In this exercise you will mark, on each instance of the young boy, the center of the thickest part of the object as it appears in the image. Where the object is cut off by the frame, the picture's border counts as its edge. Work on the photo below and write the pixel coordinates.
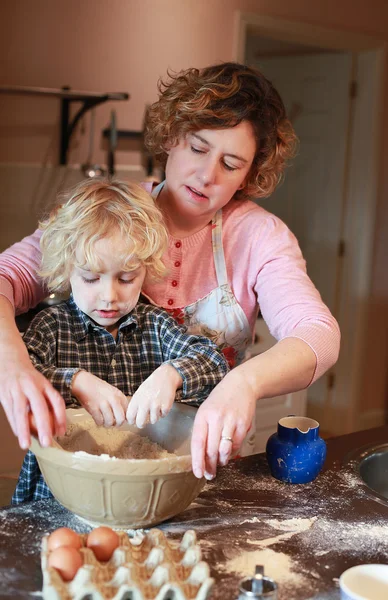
(101, 345)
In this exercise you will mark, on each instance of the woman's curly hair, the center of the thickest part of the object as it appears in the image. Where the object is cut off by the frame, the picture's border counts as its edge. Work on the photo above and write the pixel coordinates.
(98, 208)
(223, 96)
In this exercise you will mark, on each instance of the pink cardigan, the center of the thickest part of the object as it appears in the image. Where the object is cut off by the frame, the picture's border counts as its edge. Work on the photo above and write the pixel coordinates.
(266, 270)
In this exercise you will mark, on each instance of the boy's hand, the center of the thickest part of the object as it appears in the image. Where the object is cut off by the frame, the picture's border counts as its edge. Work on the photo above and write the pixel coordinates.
(103, 401)
(155, 397)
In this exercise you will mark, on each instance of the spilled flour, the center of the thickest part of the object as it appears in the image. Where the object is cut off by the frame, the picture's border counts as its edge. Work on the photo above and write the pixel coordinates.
(301, 543)
(86, 438)
(292, 526)
(277, 565)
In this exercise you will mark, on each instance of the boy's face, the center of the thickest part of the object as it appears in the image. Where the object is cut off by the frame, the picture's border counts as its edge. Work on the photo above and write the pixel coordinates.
(111, 293)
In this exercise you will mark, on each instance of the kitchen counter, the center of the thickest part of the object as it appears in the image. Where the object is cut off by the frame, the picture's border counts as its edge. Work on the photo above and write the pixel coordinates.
(305, 535)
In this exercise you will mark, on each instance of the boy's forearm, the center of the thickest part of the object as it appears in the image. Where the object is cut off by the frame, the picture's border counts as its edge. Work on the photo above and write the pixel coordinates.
(169, 371)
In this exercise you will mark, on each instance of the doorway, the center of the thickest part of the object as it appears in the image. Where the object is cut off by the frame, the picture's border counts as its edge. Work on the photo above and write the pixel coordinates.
(331, 83)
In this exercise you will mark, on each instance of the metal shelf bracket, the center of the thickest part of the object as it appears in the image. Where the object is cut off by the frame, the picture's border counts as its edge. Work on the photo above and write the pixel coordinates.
(66, 96)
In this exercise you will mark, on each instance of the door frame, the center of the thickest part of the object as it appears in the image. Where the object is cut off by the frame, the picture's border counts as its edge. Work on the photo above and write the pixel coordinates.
(341, 413)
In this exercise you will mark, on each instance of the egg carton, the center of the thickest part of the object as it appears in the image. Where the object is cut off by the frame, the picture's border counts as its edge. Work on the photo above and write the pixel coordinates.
(145, 567)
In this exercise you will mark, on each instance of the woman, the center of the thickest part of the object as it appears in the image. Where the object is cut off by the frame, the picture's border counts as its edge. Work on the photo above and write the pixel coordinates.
(224, 137)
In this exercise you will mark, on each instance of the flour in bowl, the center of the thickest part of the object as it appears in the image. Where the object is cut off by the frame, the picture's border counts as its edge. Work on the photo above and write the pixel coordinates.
(110, 442)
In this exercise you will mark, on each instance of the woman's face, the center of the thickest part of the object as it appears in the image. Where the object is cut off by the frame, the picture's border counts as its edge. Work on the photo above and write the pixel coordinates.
(206, 168)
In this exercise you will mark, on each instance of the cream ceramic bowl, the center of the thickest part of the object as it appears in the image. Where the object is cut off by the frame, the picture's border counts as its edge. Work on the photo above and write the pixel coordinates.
(365, 582)
(125, 493)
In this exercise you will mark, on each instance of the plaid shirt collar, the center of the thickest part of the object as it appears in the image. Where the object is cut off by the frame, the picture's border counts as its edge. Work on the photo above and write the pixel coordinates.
(83, 324)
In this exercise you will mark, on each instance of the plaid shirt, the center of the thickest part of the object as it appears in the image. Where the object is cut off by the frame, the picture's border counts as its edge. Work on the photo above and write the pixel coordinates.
(63, 340)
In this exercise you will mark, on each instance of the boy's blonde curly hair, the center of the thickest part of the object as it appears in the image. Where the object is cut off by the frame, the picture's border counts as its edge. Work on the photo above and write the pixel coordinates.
(218, 97)
(98, 208)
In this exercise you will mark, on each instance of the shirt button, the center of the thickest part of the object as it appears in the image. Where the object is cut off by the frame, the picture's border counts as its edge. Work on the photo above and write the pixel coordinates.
(177, 263)
(170, 302)
(174, 283)
(178, 244)
(113, 363)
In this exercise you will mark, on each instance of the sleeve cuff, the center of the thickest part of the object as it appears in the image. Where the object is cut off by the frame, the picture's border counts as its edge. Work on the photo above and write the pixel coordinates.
(198, 376)
(62, 380)
(323, 341)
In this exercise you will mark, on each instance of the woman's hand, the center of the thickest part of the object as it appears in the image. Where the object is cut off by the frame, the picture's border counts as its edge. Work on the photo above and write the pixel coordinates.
(103, 401)
(154, 397)
(23, 389)
(228, 411)
(221, 424)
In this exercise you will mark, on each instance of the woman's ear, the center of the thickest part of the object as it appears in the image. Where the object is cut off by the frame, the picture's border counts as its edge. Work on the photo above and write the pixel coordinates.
(242, 185)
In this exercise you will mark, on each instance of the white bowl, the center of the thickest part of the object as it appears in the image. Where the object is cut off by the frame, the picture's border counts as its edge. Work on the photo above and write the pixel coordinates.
(365, 582)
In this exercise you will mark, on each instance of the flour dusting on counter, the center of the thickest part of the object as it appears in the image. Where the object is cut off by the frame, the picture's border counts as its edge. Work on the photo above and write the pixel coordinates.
(301, 531)
(277, 565)
(317, 535)
(304, 535)
(292, 525)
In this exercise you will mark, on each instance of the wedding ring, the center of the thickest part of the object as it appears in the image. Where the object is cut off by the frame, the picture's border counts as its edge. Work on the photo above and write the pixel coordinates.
(227, 438)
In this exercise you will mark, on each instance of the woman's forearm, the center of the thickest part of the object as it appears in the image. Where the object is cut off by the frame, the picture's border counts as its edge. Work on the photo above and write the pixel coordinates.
(11, 342)
(286, 367)
(23, 389)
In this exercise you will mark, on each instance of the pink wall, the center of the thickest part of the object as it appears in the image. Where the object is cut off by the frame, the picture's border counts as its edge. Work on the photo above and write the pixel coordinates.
(99, 45)
(125, 45)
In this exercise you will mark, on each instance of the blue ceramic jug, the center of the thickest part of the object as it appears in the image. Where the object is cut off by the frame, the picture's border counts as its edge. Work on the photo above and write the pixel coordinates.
(296, 453)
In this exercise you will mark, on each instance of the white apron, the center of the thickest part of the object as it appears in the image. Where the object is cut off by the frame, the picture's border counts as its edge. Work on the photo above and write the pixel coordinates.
(218, 316)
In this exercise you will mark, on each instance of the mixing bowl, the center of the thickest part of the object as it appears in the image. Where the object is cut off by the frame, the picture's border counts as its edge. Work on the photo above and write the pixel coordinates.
(125, 493)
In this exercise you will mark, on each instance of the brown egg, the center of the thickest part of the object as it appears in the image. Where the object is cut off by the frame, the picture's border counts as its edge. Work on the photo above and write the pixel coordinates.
(103, 541)
(66, 561)
(63, 537)
(32, 423)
